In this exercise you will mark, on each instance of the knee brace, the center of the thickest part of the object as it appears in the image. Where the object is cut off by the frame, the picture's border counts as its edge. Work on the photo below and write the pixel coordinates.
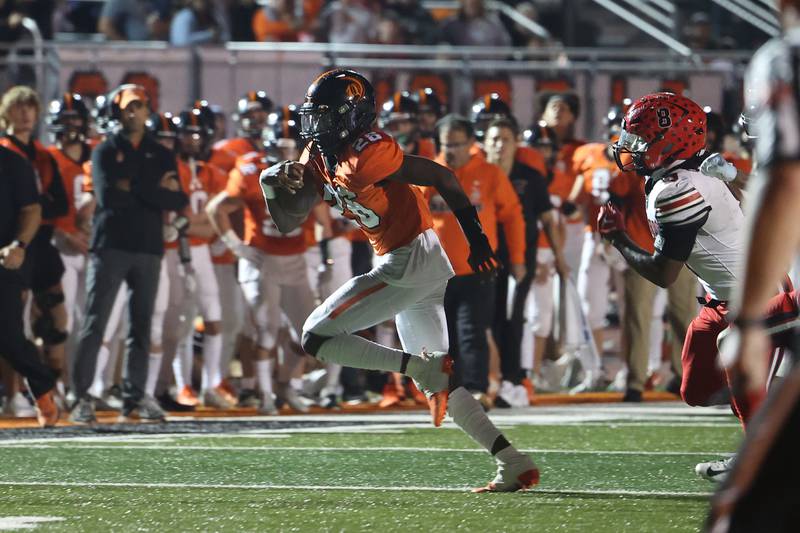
(311, 342)
(44, 327)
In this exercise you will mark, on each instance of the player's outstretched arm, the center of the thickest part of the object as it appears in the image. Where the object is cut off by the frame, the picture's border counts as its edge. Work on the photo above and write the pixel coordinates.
(290, 193)
(657, 268)
(424, 172)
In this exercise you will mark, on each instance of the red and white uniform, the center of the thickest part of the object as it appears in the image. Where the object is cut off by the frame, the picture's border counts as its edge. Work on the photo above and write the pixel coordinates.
(685, 199)
(411, 270)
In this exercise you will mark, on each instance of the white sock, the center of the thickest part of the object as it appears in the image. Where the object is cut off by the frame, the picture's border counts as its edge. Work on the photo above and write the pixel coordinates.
(182, 364)
(248, 383)
(153, 369)
(357, 352)
(332, 379)
(212, 355)
(468, 414)
(264, 373)
(385, 335)
(99, 371)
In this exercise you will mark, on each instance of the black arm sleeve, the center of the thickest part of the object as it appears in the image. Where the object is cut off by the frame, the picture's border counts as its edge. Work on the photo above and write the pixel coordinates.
(676, 241)
(54, 199)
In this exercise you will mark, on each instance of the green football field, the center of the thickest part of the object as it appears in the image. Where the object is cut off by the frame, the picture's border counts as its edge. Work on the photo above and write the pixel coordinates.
(604, 468)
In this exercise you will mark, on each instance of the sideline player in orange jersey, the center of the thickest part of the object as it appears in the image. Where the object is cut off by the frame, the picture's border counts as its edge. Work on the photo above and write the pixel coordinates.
(68, 122)
(200, 180)
(399, 117)
(43, 268)
(365, 174)
(252, 111)
(272, 273)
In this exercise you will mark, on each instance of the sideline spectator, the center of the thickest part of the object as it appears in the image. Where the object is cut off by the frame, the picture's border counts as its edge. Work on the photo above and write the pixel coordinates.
(241, 14)
(140, 20)
(473, 26)
(414, 20)
(200, 22)
(347, 21)
(135, 181)
(469, 298)
(279, 21)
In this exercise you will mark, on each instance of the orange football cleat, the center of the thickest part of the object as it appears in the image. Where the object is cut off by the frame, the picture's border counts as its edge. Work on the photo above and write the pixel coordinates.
(188, 397)
(47, 411)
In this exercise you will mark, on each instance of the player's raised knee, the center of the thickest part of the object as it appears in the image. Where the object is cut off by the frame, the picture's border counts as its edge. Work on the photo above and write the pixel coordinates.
(311, 342)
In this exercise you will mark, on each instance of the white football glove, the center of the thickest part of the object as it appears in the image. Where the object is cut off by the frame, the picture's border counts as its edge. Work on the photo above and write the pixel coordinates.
(240, 249)
(170, 233)
(716, 166)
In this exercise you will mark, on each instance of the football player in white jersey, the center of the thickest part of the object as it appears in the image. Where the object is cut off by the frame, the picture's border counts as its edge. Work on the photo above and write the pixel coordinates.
(696, 222)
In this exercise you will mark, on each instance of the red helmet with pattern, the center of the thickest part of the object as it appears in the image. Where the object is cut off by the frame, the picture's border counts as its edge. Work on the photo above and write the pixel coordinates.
(659, 130)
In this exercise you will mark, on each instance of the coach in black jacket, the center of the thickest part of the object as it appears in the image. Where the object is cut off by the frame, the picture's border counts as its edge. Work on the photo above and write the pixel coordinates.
(135, 181)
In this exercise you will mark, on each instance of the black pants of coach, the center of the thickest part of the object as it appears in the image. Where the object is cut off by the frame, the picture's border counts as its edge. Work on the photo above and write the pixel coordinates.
(14, 346)
(107, 270)
(469, 306)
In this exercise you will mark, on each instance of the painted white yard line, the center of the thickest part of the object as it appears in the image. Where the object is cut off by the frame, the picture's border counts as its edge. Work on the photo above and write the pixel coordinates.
(635, 493)
(411, 449)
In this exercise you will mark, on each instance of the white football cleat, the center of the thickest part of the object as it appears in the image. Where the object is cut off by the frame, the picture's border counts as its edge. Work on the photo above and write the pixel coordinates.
(715, 471)
(520, 474)
(267, 406)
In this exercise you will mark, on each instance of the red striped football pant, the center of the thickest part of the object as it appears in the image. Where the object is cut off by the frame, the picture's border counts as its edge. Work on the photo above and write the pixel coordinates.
(702, 375)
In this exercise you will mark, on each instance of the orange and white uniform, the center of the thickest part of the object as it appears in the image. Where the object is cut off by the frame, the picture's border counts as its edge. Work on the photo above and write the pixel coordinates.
(591, 162)
(411, 268)
(224, 153)
(74, 278)
(199, 180)
(277, 281)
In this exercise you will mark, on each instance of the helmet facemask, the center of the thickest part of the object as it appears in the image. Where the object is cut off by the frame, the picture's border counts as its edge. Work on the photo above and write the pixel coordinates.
(630, 151)
(329, 128)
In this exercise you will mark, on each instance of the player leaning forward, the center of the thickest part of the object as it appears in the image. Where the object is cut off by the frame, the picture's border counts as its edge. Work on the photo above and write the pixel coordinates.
(364, 173)
(696, 222)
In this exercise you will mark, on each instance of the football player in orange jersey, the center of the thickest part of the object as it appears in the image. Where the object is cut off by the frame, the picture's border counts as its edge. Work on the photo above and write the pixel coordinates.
(68, 122)
(560, 115)
(399, 117)
(595, 170)
(252, 111)
(272, 273)
(363, 172)
(43, 268)
(200, 180)
(431, 109)
(328, 253)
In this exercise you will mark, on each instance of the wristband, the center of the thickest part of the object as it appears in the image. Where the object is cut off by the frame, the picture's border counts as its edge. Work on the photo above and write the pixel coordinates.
(269, 191)
(18, 243)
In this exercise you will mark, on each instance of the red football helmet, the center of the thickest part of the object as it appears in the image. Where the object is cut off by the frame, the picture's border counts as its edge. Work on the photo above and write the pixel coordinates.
(658, 130)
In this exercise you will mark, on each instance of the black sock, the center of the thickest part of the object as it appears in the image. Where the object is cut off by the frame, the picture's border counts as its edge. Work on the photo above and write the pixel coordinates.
(500, 444)
(404, 364)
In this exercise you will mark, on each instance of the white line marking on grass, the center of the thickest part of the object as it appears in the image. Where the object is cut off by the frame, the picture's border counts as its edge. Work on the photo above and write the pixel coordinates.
(412, 449)
(634, 493)
(8, 523)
